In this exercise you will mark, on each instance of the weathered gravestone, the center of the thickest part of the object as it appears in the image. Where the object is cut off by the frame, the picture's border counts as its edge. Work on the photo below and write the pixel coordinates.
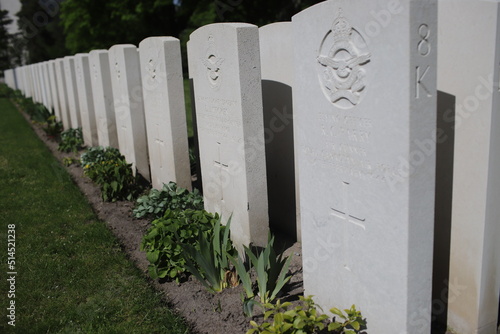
(72, 93)
(63, 93)
(364, 104)
(51, 66)
(225, 66)
(163, 90)
(469, 69)
(85, 99)
(276, 56)
(128, 105)
(102, 93)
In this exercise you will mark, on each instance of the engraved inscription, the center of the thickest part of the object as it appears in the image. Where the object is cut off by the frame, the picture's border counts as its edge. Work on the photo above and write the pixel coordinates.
(341, 64)
(423, 49)
(117, 70)
(423, 46)
(420, 74)
(218, 118)
(212, 63)
(151, 68)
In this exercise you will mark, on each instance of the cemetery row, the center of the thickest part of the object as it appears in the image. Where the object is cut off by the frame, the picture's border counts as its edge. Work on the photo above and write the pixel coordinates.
(383, 161)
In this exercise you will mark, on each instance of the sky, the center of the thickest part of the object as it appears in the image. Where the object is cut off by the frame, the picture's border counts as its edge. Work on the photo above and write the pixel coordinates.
(13, 6)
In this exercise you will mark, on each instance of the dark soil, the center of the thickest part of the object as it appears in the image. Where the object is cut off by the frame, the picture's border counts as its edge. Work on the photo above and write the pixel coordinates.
(204, 311)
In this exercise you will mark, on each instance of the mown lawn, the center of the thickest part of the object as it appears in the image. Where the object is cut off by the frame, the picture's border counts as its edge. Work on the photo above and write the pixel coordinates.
(71, 273)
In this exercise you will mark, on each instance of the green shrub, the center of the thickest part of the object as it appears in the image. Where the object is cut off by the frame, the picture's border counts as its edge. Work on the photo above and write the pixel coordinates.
(163, 241)
(71, 140)
(170, 197)
(305, 319)
(109, 169)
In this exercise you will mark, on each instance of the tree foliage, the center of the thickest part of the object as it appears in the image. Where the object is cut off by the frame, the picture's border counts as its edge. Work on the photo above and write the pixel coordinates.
(97, 24)
(40, 32)
(4, 41)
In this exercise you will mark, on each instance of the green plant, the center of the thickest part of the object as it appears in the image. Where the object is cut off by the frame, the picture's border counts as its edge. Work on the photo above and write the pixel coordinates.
(210, 263)
(53, 128)
(68, 161)
(170, 197)
(305, 319)
(99, 153)
(352, 322)
(271, 270)
(37, 111)
(107, 167)
(115, 177)
(163, 240)
(71, 140)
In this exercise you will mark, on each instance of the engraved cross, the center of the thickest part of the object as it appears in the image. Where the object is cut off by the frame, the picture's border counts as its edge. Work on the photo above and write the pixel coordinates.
(160, 144)
(222, 167)
(344, 213)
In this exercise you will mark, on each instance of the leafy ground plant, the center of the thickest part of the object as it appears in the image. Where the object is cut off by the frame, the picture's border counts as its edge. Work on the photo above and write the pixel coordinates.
(53, 128)
(109, 169)
(272, 275)
(163, 241)
(71, 140)
(171, 197)
(305, 319)
(210, 264)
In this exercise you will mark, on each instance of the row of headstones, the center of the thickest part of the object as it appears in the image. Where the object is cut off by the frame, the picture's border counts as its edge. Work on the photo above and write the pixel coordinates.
(392, 191)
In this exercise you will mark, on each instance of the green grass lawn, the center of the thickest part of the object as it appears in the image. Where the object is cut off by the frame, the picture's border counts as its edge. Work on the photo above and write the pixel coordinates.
(71, 273)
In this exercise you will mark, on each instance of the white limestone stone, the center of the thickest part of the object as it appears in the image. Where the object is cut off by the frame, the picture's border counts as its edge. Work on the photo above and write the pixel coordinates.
(469, 66)
(86, 100)
(9, 78)
(102, 93)
(47, 87)
(164, 107)
(36, 83)
(72, 93)
(276, 56)
(129, 107)
(224, 63)
(364, 102)
(63, 93)
(53, 88)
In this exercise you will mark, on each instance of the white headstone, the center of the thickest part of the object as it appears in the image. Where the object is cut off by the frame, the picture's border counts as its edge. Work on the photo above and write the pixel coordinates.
(63, 93)
(86, 100)
(47, 86)
(36, 83)
(129, 107)
(224, 63)
(469, 69)
(102, 93)
(364, 103)
(276, 50)
(72, 94)
(51, 66)
(164, 107)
